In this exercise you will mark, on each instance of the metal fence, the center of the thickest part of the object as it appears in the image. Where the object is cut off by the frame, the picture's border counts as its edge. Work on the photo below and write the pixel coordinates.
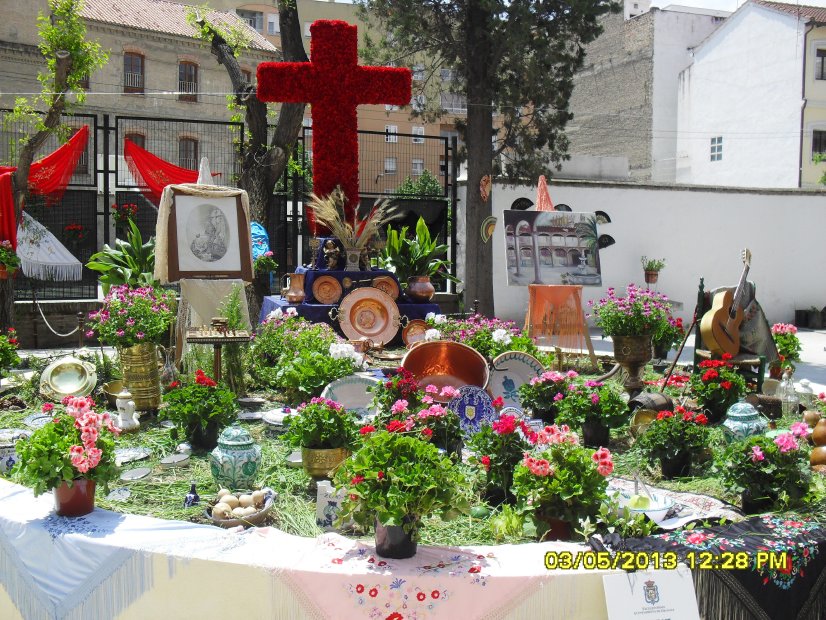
(102, 179)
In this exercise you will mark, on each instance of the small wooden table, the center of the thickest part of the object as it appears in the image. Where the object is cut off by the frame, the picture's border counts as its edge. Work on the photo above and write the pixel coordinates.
(210, 335)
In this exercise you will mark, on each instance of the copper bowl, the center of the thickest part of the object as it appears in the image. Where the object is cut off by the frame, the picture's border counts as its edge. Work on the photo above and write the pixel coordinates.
(442, 363)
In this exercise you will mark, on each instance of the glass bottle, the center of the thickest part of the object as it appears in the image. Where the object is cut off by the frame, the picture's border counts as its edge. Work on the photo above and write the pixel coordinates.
(806, 393)
(169, 373)
(789, 401)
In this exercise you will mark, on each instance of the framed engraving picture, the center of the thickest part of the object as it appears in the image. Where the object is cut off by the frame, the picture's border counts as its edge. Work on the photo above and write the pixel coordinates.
(209, 237)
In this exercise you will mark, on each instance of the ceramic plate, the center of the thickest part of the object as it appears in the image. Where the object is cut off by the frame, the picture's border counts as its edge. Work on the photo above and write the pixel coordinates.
(128, 455)
(326, 290)
(370, 313)
(510, 370)
(474, 407)
(276, 417)
(175, 460)
(37, 420)
(387, 285)
(414, 332)
(250, 416)
(135, 474)
(352, 393)
(294, 459)
(514, 411)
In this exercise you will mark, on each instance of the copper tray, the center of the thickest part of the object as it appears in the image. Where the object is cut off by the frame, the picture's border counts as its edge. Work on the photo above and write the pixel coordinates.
(326, 290)
(414, 332)
(371, 313)
(388, 285)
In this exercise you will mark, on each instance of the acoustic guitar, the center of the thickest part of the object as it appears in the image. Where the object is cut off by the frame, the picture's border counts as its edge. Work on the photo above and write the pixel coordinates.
(720, 327)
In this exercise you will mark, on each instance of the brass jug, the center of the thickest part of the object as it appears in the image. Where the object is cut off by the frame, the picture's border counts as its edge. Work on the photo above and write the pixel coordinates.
(141, 374)
(294, 288)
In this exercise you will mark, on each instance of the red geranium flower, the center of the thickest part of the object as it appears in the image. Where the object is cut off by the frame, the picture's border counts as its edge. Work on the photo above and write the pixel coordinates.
(485, 460)
(726, 385)
(427, 432)
(380, 475)
(367, 429)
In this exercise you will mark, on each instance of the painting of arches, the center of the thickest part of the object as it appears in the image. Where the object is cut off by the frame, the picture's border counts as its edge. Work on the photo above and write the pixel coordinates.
(552, 247)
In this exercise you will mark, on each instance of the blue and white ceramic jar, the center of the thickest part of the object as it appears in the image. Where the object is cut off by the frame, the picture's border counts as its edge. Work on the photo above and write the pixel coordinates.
(743, 420)
(235, 461)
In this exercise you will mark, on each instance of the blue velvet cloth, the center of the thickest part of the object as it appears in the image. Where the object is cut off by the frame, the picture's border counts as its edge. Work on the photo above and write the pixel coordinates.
(358, 278)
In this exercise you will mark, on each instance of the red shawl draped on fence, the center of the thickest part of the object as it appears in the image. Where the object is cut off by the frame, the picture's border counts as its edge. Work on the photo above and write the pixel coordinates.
(152, 173)
(47, 177)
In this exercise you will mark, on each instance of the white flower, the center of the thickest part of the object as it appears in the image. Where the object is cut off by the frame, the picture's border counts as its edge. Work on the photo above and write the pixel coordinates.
(440, 319)
(430, 316)
(275, 314)
(291, 312)
(432, 334)
(501, 336)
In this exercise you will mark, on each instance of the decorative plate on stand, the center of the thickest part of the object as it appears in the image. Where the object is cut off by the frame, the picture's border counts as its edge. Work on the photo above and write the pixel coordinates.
(388, 285)
(352, 393)
(414, 331)
(474, 407)
(326, 290)
(369, 313)
(510, 370)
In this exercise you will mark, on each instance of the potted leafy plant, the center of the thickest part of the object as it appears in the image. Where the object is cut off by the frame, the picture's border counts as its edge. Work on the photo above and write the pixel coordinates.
(717, 386)
(130, 262)
(415, 260)
(765, 471)
(70, 454)
(543, 394)
(489, 336)
(199, 410)
(9, 260)
(652, 268)
(433, 421)
(788, 348)
(499, 447)
(8, 351)
(596, 408)
(561, 482)
(392, 482)
(674, 438)
(667, 336)
(325, 431)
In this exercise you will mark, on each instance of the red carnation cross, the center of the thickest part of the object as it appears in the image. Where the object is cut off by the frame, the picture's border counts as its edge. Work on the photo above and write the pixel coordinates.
(333, 83)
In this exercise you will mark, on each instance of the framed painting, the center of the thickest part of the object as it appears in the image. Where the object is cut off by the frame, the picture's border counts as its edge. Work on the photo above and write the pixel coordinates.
(209, 237)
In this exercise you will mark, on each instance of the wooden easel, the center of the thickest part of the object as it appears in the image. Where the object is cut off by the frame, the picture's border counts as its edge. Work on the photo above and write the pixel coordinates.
(555, 312)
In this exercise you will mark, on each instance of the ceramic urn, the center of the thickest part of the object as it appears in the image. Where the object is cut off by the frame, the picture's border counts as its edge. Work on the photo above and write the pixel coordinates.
(743, 420)
(235, 461)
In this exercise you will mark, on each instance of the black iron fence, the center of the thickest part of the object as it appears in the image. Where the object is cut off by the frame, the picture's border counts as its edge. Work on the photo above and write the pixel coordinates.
(83, 220)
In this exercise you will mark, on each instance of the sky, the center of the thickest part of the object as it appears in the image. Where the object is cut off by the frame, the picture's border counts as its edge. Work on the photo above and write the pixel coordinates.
(727, 5)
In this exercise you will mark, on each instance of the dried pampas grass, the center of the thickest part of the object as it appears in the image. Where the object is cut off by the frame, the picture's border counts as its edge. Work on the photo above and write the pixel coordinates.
(329, 211)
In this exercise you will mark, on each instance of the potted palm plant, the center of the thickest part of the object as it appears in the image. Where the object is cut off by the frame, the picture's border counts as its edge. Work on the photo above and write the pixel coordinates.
(415, 260)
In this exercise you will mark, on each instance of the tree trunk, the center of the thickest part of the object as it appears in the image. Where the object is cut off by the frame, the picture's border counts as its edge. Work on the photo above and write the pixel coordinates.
(478, 255)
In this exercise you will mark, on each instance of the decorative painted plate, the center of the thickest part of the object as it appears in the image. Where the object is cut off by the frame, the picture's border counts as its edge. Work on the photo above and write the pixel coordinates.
(326, 290)
(514, 411)
(352, 393)
(128, 455)
(474, 407)
(510, 370)
(414, 331)
(370, 313)
(388, 285)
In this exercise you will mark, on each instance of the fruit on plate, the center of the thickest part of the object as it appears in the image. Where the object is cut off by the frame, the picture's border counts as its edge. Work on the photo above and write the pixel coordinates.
(639, 502)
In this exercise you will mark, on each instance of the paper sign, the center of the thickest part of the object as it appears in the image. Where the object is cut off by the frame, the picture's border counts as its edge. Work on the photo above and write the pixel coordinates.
(651, 595)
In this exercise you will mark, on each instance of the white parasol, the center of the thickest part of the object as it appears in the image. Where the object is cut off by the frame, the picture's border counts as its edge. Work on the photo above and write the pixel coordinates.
(42, 256)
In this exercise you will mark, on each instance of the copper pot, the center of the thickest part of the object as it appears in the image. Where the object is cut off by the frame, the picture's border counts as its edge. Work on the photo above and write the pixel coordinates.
(442, 363)
(818, 456)
(420, 289)
(295, 288)
(811, 417)
(819, 433)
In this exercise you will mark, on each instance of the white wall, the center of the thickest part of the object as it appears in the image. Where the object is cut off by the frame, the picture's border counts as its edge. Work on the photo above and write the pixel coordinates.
(744, 85)
(674, 33)
(700, 232)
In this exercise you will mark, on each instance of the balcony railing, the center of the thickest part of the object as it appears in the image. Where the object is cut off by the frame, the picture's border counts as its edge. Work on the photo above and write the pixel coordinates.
(133, 82)
(188, 90)
(187, 162)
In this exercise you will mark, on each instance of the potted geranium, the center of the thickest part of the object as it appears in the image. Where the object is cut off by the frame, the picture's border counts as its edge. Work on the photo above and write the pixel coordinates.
(199, 410)
(788, 348)
(436, 423)
(489, 336)
(263, 267)
(652, 268)
(674, 438)
(561, 482)
(135, 320)
(9, 261)
(631, 321)
(71, 454)
(543, 394)
(8, 351)
(400, 385)
(124, 213)
(325, 431)
(499, 447)
(717, 386)
(596, 408)
(668, 336)
(765, 471)
(392, 482)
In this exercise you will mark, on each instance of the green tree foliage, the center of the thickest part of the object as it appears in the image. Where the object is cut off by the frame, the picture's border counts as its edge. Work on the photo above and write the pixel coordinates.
(426, 184)
(513, 60)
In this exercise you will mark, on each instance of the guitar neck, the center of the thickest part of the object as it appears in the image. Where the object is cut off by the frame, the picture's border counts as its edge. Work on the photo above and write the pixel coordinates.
(738, 293)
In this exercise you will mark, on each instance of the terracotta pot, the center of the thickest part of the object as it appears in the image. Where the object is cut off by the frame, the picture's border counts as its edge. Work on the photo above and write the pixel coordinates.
(776, 372)
(6, 273)
(419, 289)
(141, 374)
(651, 277)
(393, 542)
(319, 462)
(819, 433)
(595, 434)
(77, 500)
(295, 290)
(818, 456)
(756, 505)
(677, 467)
